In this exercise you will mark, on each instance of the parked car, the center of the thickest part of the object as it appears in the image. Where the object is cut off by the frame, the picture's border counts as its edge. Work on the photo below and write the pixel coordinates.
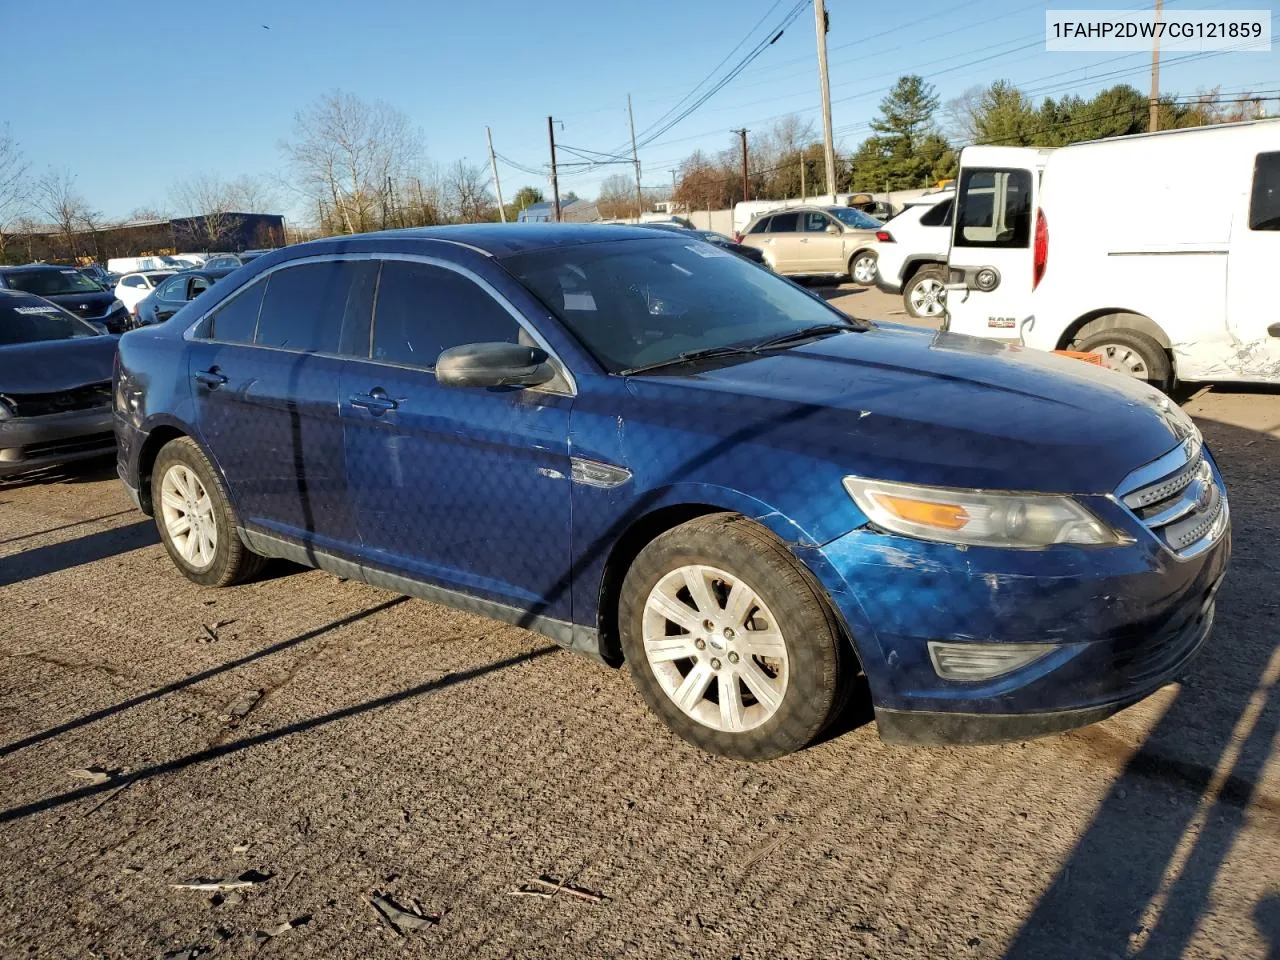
(1166, 291)
(55, 385)
(134, 286)
(229, 261)
(123, 265)
(815, 241)
(70, 289)
(690, 464)
(175, 293)
(710, 236)
(911, 254)
(191, 259)
(103, 278)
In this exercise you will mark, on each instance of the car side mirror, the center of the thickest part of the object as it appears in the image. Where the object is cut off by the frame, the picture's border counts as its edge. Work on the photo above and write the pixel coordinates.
(493, 365)
(832, 228)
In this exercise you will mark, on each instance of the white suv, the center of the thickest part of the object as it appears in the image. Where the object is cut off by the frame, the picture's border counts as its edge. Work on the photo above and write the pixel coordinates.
(911, 251)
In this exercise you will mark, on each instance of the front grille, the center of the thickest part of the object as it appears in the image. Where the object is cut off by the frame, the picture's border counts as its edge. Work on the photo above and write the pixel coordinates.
(1179, 499)
(93, 441)
(41, 404)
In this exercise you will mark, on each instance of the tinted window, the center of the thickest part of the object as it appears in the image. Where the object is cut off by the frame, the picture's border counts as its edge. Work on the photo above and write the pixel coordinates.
(995, 208)
(761, 225)
(939, 215)
(198, 286)
(1264, 205)
(27, 320)
(51, 283)
(175, 288)
(785, 223)
(133, 282)
(633, 303)
(423, 310)
(234, 322)
(306, 306)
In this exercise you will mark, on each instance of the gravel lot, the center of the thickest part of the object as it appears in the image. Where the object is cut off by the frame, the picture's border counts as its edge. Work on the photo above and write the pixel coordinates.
(438, 758)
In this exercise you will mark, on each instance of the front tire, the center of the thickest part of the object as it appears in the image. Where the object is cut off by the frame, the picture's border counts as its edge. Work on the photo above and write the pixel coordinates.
(195, 518)
(1131, 352)
(729, 640)
(863, 267)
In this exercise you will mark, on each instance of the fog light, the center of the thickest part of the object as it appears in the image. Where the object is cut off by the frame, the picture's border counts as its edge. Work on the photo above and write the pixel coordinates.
(983, 661)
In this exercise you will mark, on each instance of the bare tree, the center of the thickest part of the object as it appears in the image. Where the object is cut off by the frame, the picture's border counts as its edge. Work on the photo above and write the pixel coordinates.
(617, 197)
(62, 205)
(466, 193)
(13, 185)
(208, 201)
(249, 194)
(348, 155)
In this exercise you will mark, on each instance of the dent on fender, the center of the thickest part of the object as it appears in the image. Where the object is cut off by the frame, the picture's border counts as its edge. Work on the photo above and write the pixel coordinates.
(1252, 360)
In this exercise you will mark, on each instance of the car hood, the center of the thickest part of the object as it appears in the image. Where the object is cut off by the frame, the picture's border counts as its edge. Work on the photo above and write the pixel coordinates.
(50, 366)
(899, 403)
(86, 305)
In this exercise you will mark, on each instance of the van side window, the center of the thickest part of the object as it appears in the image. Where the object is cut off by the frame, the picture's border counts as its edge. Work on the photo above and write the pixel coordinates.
(995, 208)
(1264, 205)
(939, 215)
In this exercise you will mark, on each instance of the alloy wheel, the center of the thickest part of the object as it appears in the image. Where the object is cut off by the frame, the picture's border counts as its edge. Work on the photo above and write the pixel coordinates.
(715, 648)
(928, 297)
(864, 269)
(187, 511)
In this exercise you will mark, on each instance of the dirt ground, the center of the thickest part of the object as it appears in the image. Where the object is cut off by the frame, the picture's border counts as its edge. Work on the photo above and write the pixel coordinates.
(441, 759)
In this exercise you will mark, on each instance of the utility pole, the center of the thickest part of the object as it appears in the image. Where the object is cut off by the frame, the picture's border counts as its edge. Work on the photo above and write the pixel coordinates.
(1153, 124)
(555, 184)
(804, 192)
(829, 146)
(673, 190)
(746, 193)
(493, 165)
(635, 157)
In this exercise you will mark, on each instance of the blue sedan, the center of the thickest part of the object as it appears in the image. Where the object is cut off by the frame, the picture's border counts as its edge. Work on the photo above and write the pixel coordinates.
(657, 453)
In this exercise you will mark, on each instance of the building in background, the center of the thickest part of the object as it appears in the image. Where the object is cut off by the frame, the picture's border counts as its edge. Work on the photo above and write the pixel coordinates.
(224, 232)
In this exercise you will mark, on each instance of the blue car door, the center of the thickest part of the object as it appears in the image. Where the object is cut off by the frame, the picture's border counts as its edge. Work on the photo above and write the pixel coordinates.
(266, 373)
(464, 488)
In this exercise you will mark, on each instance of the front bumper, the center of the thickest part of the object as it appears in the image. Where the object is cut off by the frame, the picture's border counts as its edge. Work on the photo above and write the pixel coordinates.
(1124, 620)
(30, 443)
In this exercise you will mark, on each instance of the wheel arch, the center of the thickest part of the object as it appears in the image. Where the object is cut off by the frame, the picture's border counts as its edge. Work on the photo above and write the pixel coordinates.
(1113, 318)
(914, 265)
(158, 437)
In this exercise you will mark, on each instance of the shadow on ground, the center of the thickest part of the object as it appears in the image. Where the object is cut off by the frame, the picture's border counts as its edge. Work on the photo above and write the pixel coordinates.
(1139, 880)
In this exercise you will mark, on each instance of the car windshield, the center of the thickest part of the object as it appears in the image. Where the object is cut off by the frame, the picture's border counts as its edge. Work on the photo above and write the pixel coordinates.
(855, 218)
(51, 283)
(28, 320)
(634, 303)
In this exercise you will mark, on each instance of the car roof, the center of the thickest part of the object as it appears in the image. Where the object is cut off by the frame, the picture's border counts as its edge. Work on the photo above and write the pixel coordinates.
(36, 266)
(497, 239)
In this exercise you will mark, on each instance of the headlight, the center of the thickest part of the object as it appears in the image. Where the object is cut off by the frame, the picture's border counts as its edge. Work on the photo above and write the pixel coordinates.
(977, 517)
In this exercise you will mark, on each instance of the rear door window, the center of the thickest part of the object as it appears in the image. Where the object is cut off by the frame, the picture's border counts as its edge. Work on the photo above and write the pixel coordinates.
(423, 310)
(1264, 204)
(785, 223)
(319, 307)
(995, 208)
(939, 215)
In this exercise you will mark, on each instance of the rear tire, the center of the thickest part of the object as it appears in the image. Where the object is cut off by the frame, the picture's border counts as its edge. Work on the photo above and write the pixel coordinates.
(765, 677)
(195, 518)
(1131, 352)
(863, 267)
(925, 295)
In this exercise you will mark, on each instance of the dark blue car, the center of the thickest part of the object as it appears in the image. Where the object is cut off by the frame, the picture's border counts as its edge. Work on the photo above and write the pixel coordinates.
(653, 451)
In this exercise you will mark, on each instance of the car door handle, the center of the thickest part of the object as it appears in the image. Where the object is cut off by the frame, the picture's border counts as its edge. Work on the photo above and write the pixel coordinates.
(210, 378)
(804, 239)
(375, 401)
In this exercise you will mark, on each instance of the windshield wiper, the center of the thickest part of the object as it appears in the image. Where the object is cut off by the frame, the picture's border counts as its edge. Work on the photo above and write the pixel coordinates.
(806, 333)
(689, 356)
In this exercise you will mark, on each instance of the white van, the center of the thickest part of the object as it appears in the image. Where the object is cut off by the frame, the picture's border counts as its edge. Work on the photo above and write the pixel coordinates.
(123, 265)
(1153, 251)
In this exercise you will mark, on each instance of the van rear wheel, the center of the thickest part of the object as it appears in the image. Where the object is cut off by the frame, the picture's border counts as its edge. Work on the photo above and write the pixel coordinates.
(1131, 352)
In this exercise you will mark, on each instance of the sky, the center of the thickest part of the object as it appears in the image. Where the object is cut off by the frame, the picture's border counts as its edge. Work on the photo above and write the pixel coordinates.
(136, 98)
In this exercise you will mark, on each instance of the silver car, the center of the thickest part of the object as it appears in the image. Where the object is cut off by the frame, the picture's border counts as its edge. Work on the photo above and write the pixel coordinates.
(817, 242)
